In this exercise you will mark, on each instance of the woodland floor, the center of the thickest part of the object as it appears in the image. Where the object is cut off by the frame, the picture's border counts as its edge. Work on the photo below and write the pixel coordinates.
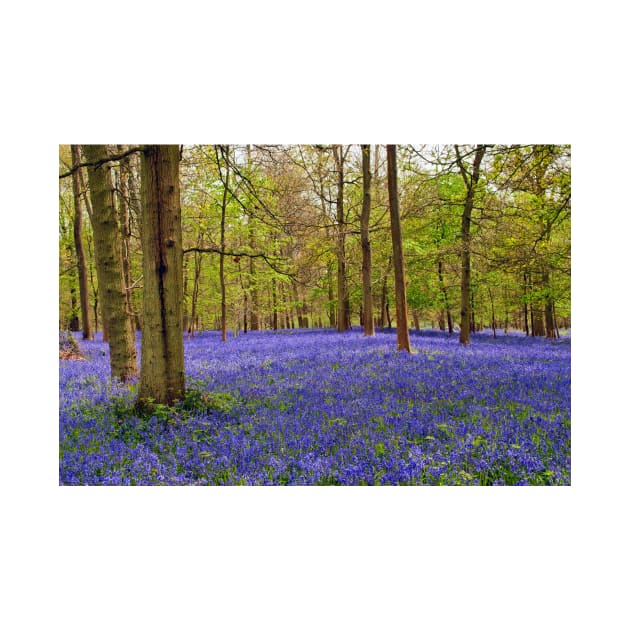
(312, 407)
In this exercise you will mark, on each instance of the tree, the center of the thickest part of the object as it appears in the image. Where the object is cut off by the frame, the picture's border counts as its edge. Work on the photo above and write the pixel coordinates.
(109, 268)
(471, 180)
(402, 326)
(343, 300)
(77, 187)
(162, 364)
(366, 267)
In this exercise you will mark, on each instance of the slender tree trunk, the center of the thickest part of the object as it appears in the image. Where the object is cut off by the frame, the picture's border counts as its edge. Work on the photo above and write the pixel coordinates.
(525, 309)
(117, 322)
(254, 317)
(366, 266)
(416, 320)
(195, 291)
(343, 301)
(549, 327)
(222, 261)
(402, 325)
(449, 317)
(162, 364)
(274, 303)
(77, 188)
(471, 180)
(331, 300)
(555, 321)
(494, 323)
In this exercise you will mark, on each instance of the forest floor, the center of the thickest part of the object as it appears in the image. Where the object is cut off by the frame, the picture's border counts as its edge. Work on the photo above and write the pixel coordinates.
(313, 407)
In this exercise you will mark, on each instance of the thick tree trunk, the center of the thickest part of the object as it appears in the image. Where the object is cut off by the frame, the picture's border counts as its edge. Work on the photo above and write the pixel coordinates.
(162, 366)
(77, 188)
(366, 263)
(402, 325)
(117, 322)
(471, 180)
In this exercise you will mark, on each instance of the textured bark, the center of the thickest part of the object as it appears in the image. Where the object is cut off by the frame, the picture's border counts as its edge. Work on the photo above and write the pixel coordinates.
(77, 188)
(471, 180)
(117, 322)
(125, 198)
(402, 325)
(222, 259)
(162, 364)
(343, 299)
(366, 264)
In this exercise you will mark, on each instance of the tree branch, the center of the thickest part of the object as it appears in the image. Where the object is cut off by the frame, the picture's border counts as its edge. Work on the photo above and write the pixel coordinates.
(111, 158)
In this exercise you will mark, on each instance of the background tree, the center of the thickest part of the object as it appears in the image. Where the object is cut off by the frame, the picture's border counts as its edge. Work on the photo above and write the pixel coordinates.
(402, 326)
(77, 187)
(471, 179)
(109, 269)
(366, 267)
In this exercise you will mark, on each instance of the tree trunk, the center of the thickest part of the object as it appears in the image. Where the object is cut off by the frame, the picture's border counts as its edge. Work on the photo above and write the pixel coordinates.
(549, 327)
(107, 250)
(416, 319)
(162, 365)
(222, 255)
(402, 325)
(449, 317)
(332, 316)
(195, 291)
(124, 196)
(274, 303)
(366, 265)
(343, 301)
(77, 188)
(494, 323)
(471, 180)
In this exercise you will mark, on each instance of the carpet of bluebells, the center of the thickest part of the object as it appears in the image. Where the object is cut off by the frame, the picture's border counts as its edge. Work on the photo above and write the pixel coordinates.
(313, 407)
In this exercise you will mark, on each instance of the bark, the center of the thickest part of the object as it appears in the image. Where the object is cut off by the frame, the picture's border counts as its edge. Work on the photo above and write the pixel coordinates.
(494, 323)
(549, 325)
(162, 366)
(471, 180)
(274, 304)
(117, 324)
(402, 326)
(366, 265)
(125, 225)
(332, 314)
(449, 317)
(77, 188)
(195, 292)
(416, 319)
(222, 261)
(343, 300)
